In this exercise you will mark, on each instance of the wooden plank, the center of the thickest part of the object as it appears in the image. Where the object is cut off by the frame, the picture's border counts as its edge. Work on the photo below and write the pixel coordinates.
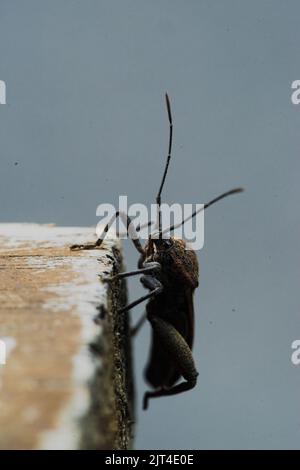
(67, 379)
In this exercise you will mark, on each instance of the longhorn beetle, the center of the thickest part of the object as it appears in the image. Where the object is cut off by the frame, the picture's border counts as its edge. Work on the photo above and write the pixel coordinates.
(170, 273)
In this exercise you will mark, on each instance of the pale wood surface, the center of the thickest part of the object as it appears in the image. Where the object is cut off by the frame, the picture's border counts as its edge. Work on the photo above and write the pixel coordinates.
(58, 386)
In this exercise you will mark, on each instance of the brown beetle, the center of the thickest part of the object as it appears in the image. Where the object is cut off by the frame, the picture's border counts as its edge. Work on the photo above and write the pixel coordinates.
(170, 273)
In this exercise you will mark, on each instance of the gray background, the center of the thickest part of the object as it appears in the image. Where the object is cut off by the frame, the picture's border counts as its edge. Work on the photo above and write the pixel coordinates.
(86, 121)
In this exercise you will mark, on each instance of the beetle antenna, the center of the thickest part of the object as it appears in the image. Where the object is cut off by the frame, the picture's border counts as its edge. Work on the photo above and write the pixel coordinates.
(208, 204)
(216, 199)
(158, 197)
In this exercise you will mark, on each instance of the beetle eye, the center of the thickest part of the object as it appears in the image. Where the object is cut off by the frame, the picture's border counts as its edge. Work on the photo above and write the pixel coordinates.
(165, 243)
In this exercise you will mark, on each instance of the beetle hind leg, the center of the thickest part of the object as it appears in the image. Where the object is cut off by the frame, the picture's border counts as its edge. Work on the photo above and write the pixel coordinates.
(165, 392)
(181, 355)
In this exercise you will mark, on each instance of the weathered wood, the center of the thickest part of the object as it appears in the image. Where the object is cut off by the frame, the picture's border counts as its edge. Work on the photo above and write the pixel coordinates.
(67, 379)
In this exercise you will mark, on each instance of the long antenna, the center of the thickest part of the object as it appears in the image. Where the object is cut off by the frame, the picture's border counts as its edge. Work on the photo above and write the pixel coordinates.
(208, 204)
(158, 197)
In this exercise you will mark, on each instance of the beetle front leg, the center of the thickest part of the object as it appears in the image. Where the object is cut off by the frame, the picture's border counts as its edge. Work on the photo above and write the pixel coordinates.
(179, 351)
(130, 228)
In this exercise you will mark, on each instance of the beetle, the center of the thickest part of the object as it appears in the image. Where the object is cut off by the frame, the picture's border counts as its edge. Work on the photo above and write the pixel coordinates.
(170, 272)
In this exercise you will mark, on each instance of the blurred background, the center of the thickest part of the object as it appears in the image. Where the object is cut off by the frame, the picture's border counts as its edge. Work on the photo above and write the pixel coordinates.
(85, 121)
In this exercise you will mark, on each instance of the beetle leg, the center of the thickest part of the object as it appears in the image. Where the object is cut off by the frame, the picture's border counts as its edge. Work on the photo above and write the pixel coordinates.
(179, 351)
(148, 267)
(138, 326)
(180, 388)
(130, 228)
(151, 283)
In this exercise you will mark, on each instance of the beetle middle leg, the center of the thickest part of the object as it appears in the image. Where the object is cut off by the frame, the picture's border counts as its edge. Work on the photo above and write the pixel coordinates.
(150, 282)
(147, 267)
(155, 286)
(179, 351)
